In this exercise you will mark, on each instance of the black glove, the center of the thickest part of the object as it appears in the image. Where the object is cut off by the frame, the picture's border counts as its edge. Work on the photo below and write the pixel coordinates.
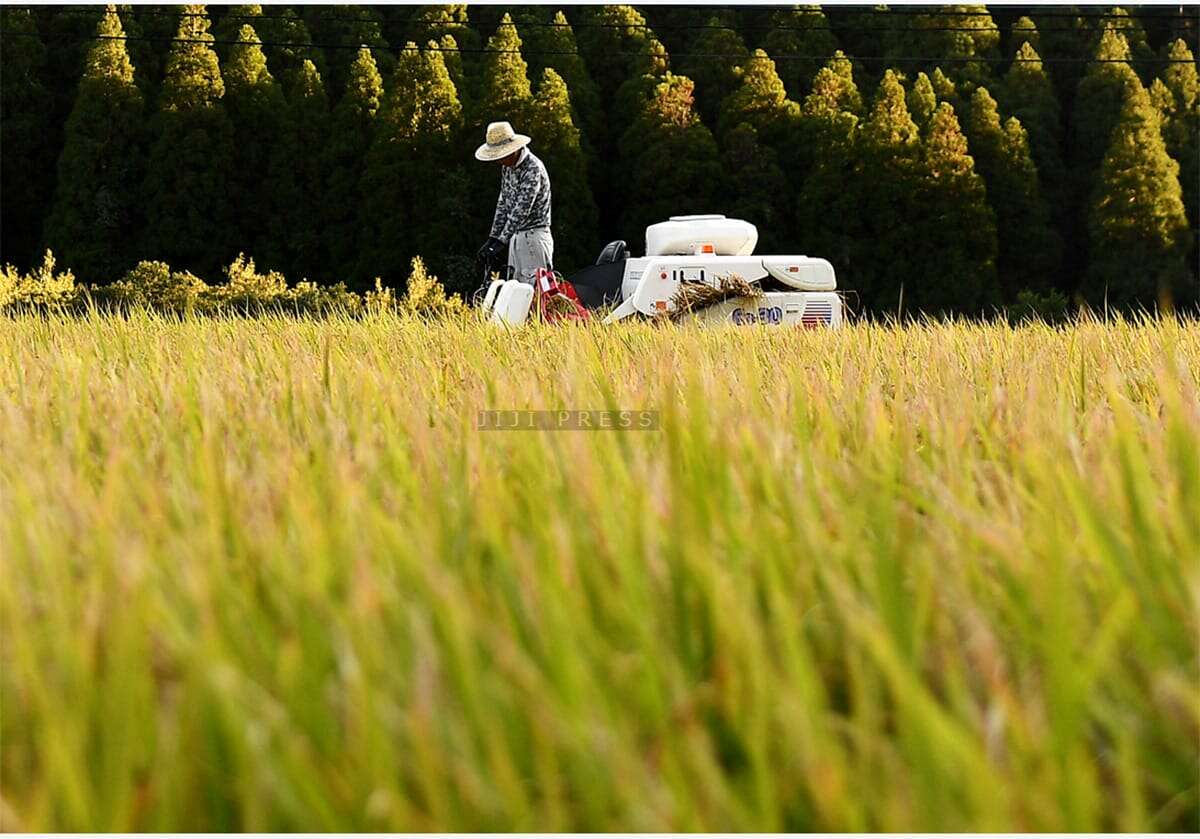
(490, 250)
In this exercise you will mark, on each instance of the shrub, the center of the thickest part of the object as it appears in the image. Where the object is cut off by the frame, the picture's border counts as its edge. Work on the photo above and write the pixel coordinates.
(382, 299)
(40, 288)
(154, 285)
(309, 298)
(425, 296)
(245, 289)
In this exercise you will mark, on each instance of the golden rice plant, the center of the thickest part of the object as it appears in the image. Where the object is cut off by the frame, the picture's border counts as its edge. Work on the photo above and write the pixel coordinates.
(268, 574)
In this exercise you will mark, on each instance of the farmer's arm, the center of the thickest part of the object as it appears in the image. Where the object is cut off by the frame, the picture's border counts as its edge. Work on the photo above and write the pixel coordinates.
(523, 192)
(503, 208)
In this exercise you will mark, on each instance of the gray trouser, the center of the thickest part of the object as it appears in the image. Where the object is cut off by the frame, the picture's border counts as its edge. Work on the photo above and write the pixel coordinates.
(528, 251)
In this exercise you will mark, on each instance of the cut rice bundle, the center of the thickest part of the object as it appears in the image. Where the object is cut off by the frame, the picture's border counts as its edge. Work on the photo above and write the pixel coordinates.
(693, 295)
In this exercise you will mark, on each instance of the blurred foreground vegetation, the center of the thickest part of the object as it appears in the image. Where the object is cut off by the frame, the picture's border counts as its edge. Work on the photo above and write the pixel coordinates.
(266, 575)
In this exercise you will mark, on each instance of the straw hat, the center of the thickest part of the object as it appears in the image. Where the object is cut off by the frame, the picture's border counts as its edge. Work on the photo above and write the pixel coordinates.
(501, 142)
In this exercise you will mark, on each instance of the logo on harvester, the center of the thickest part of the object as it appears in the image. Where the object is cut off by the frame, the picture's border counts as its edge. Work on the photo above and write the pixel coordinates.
(765, 315)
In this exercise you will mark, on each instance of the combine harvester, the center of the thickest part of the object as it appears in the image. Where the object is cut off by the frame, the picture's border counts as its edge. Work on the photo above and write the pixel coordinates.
(704, 264)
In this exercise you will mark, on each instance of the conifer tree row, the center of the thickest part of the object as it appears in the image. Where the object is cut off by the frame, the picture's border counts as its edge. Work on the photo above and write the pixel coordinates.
(95, 216)
(185, 193)
(1030, 251)
(255, 104)
(1137, 226)
(803, 30)
(26, 114)
(351, 130)
(336, 143)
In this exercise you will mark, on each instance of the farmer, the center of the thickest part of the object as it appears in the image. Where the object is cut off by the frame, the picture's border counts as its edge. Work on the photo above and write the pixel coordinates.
(522, 220)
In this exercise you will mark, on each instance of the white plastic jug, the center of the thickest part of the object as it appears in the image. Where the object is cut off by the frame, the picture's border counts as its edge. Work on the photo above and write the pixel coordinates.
(512, 303)
(490, 298)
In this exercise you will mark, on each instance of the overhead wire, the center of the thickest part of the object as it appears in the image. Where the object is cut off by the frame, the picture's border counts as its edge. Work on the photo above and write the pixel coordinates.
(322, 17)
(866, 10)
(213, 41)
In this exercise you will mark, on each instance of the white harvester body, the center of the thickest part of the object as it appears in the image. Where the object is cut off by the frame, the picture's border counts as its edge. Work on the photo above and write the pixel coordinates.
(798, 290)
(795, 290)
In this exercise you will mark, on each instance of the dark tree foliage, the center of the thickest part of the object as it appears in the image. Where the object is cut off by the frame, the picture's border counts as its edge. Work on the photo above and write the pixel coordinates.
(756, 189)
(96, 215)
(186, 197)
(1028, 95)
(922, 101)
(289, 45)
(452, 21)
(799, 31)
(834, 87)
(236, 138)
(410, 172)
(506, 90)
(947, 90)
(452, 55)
(714, 64)
(612, 38)
(963, 39)
(865, 34)
(430, 23)
(649, 68)
(761, 105)
(229, 22)
(26, 158)
(627, 105)
(150, 29)
(1024, 31)
(670, 157)
(1136, 225)
(955, 227)
(1181, 122)
(829, 218)
(1141, 55)
(297, 177)
(351, 130)
(556, 140)
(761, 100)
(67, 32)
(555, 46)
(888, 157)
(348, 27)
(931, 233)
(1098, 104)
(1068, 36)
(675, 26)
(256, 105)
(1030, 251)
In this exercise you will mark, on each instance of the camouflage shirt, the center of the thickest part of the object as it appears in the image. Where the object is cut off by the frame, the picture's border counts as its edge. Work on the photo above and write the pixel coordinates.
(524, 197)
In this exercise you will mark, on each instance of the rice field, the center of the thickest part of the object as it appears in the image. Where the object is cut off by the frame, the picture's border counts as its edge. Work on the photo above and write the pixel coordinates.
(268, 575)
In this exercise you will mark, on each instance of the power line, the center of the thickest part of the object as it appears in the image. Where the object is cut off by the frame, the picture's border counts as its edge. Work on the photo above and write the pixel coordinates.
(915, 10)
(672, 26)
(890, 12)
(670, 56)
